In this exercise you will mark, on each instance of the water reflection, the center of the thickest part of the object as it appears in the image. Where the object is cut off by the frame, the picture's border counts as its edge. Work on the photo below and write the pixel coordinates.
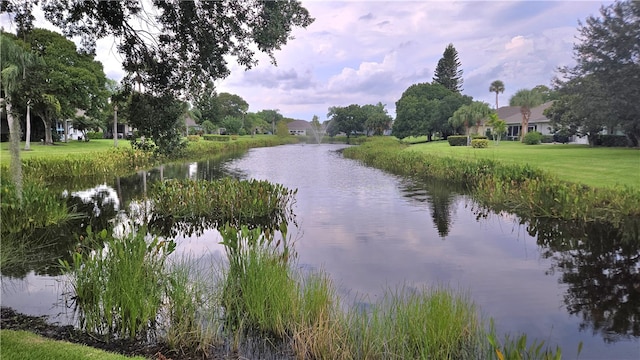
(600, 264)
(440, 196)
(371, 230)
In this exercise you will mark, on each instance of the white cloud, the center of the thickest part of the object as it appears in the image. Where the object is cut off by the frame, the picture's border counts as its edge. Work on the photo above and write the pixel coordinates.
(369, 51)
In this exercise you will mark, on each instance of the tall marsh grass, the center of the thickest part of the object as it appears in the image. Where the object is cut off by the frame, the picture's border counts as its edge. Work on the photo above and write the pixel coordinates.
(119, 289)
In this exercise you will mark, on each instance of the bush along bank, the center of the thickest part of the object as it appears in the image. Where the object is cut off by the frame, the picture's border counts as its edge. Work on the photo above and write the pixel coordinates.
(123, 161)
(520, 189)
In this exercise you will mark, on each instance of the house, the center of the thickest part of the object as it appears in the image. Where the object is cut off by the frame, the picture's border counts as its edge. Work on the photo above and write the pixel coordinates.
(191, 126)
(299, 127)
(537, 121)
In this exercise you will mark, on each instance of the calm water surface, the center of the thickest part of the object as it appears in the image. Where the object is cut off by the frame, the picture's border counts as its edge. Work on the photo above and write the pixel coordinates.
(373, 231)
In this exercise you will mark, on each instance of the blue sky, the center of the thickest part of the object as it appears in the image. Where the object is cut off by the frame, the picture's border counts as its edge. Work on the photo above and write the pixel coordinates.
(363, 52)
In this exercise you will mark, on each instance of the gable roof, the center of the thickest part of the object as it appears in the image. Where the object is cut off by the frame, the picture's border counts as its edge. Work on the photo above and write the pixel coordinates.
(512, 115)
(299, 125)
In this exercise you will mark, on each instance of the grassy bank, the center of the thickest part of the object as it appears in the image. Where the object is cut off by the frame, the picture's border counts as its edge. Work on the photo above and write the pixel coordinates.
(20, 345)
(592, 166)
(506, 185)
(98, 158)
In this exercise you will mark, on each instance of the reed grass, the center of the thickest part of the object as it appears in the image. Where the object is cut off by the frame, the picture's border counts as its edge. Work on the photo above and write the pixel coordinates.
(408, 324)
(192, 318)
(250, 202)
(119, 290)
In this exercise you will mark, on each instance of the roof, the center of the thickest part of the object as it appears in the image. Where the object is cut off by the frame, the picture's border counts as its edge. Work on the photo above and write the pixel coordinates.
(512, 115)
(299, 125)
(190, 121)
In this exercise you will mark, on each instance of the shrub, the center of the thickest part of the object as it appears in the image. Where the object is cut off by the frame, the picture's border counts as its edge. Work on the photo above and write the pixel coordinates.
(457, 140)
(193, 137)
(478, 136)
(611, 140)
(92, 135)
(561, 137)
(532, 138)
(480, 143)
(214, 137)
(547, 139)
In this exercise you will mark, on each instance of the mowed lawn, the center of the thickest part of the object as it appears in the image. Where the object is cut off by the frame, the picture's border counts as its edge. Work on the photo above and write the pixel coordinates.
(598, 167)
(60, 149)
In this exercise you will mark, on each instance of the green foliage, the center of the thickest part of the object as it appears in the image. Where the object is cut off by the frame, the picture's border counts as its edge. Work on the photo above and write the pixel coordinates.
(93, 135)
(157, 118)
(23, 218)
(63, 67)
(252, 202)
(611, 140)
(497, 87)
(546, 139)
(190, 33)
(377, 120)
(348, 120)
(110, 162)
(532, 138)
(434, 323)
(424, 109)
(232, 124)
(457, 140)
(120, 290)
(470, 115)
(214, 137)
(191, 310)
(448, 72)
(193, 138)
(526, 99)
(231, 105)
(519, 188)
(208, 126)
(479, 143)
(519, 348)
(282, 130)
(607, 56)
(18, 345)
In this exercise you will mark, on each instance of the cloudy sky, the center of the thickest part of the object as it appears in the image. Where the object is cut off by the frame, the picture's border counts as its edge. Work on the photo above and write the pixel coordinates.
(369, 51)
(363, 52)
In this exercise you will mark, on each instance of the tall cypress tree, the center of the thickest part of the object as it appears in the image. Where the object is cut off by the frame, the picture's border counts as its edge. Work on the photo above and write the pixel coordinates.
(447, 72)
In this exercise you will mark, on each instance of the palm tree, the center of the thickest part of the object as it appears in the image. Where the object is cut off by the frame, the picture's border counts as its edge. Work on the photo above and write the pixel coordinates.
(526, 99)
(497, 87)
(13, 59)
(469, 115)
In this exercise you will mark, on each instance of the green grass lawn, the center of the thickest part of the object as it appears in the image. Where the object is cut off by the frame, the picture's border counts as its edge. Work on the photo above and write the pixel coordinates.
(60, 149)
(21, 345)
(598, 167)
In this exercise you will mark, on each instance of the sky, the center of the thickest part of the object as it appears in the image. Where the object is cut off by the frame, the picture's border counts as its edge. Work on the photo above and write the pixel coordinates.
(365, 52)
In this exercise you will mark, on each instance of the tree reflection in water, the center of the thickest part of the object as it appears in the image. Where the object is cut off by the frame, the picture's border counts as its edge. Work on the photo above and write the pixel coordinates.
(600, 264)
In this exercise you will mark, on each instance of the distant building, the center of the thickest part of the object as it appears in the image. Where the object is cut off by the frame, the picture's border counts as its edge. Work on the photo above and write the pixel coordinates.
(537, 121)
(299, 127)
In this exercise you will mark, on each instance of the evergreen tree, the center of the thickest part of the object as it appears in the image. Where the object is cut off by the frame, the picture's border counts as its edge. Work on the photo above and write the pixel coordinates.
(448, 72)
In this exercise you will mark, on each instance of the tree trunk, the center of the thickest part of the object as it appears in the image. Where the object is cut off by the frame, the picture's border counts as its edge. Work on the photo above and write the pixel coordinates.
(27, 143)
(48, 139)
(65, 126)
(14, 147)
(525, 124)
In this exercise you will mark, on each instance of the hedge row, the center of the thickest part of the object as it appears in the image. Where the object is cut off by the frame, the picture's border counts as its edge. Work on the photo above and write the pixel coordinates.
(612, 141)
(457, 140)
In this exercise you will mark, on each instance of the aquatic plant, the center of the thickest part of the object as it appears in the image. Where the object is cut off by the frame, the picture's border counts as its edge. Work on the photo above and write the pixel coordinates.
(193, 205)
(119, 290)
